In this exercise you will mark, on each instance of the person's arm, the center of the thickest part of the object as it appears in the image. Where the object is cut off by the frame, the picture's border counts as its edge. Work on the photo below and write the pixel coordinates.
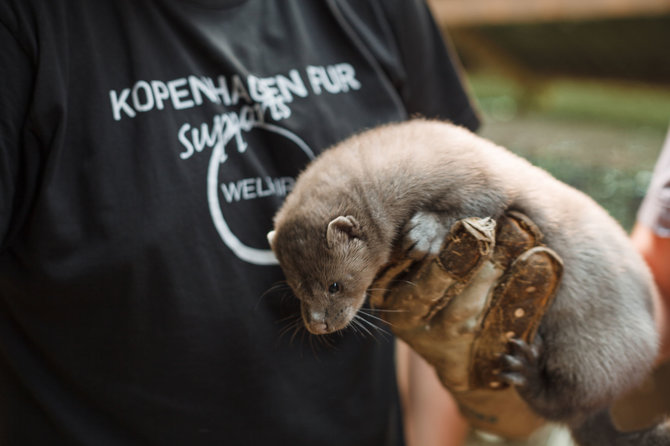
(406, 43)
(430, 413)
(432, 86)
(651, 236)
(656, 251)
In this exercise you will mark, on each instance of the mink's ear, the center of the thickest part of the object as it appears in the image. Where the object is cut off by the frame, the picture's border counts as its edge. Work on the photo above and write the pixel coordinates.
(271, 237)
(342, 229)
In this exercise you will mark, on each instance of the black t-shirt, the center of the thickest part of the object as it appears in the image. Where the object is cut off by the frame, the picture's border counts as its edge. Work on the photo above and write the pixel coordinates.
(144, 148)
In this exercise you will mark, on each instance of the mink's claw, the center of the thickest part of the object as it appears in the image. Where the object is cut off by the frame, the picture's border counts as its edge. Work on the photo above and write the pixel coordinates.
(520, 365)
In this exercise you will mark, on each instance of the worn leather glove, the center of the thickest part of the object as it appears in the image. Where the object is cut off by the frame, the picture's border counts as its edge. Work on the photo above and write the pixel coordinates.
(491, 282)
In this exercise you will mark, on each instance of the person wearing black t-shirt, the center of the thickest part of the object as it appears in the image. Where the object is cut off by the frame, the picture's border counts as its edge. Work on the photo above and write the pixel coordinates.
(144, 148)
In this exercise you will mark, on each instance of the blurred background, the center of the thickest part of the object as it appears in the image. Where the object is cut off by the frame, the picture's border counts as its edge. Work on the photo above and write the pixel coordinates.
(579, 87)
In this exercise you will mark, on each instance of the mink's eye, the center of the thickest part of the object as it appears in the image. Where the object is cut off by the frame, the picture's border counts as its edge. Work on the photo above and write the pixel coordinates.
(334, 288)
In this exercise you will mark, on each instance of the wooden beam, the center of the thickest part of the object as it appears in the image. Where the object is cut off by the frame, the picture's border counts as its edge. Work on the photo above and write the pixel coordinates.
(470, 12)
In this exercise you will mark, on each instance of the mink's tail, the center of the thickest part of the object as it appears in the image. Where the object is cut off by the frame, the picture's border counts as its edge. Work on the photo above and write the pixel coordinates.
(599, 430)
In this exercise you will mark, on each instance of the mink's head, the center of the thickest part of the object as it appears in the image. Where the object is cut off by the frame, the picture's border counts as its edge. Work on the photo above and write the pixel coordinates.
(329, 267)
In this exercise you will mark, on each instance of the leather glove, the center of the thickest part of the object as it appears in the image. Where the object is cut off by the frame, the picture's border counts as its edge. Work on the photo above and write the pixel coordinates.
(491, 281)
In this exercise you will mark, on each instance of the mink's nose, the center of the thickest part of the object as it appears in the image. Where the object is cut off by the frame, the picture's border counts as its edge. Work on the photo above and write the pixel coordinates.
(317, 322)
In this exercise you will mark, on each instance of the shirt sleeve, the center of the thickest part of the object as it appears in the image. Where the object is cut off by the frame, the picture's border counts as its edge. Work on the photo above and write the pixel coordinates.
(404, 39)
(16, 75)
(655, 209)
(433, 85)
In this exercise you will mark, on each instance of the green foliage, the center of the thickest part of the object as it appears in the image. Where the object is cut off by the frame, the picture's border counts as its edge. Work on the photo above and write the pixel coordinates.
(600, 137)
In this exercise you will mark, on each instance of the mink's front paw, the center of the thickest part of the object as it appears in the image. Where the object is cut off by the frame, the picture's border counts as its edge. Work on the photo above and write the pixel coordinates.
(424, 235)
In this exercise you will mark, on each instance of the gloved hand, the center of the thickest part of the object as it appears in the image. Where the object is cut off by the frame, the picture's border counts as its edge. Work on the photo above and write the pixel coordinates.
(491, 282)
